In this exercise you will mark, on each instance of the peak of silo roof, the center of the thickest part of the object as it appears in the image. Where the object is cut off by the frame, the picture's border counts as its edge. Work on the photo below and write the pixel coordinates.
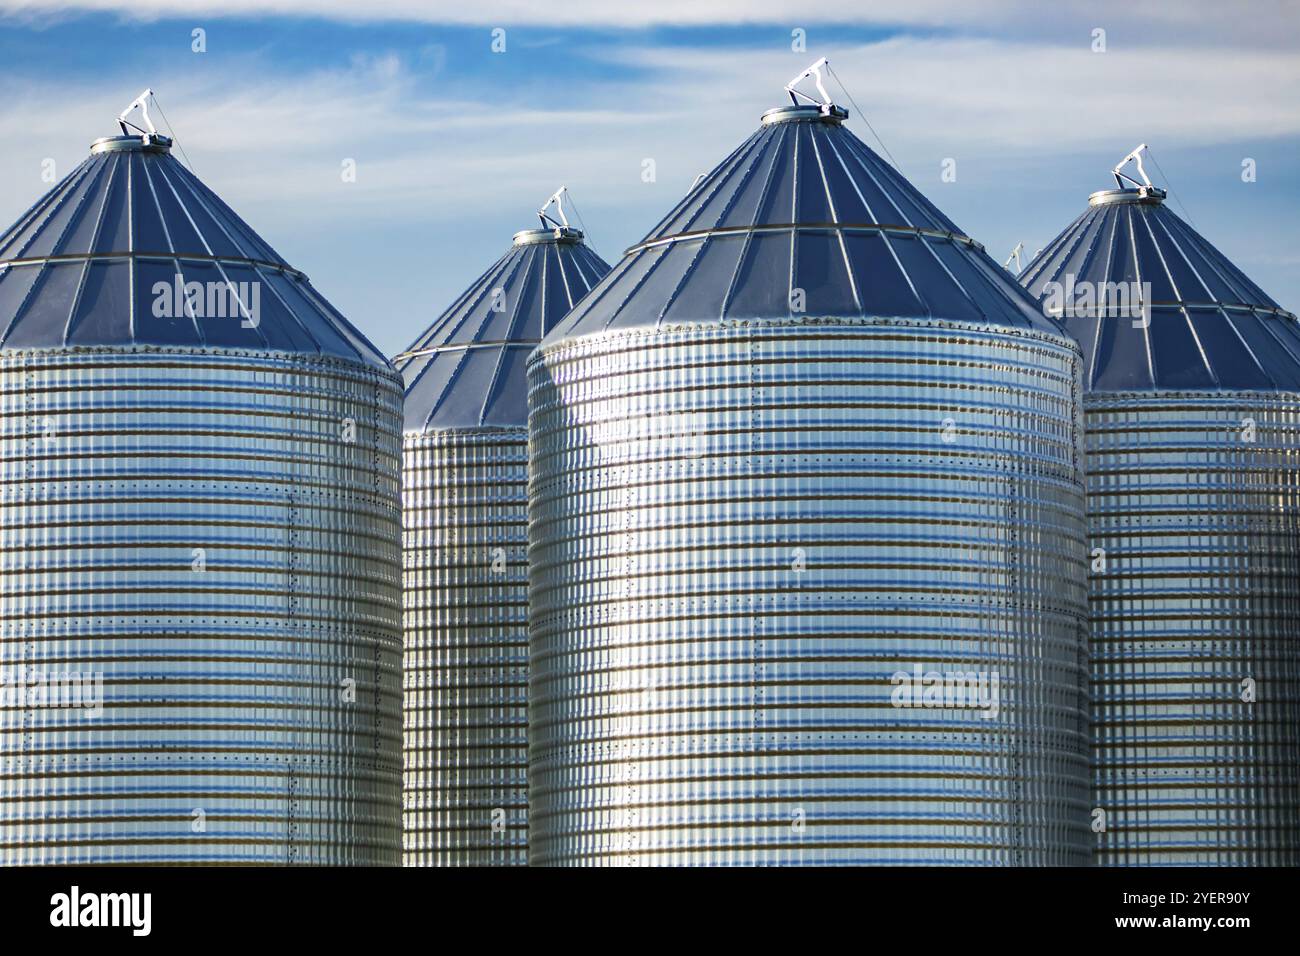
(89, 264)
(803, 214)
(1209, 327)
(467, 370)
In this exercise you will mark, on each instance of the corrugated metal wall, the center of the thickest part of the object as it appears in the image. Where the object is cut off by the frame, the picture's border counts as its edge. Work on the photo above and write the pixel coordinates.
(466, 622)
(201, 531)
(1194, 504)
(739, 534)
(1192, 388)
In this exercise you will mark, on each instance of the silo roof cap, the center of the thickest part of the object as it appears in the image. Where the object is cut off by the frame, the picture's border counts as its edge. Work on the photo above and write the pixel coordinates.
(826, 113)
(1127, 188)
(146, 143)
(467, 370)
(1148, 195)
(525, 237)
(132, 249)
(803, 221)
(804, 106)
(1178, 314)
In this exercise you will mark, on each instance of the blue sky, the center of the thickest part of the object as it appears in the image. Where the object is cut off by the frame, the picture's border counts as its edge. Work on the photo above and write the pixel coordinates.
(456, 145)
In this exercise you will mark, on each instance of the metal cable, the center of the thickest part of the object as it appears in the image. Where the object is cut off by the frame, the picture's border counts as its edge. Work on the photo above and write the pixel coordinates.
(581, 222)
(171, 129)
(1178, 199)
(849, 96)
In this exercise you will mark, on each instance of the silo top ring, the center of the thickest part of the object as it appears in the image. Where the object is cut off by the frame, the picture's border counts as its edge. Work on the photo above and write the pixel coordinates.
(819, 107)
(145, 143)
(562, 234)
(1130, 190)
(1147, 195)
(827, 113)
(145, 139)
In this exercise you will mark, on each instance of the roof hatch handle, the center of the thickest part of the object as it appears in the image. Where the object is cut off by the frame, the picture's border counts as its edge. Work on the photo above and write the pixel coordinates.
(1121, 177)
(549, 221)
(814, 71)
(1015, 257)
(141, 103)
(149, 134)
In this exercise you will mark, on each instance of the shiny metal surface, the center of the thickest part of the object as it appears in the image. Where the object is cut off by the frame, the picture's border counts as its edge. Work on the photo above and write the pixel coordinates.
(200, 521)
(1194, 524)
(83, 268)
(1210, 327)
(465, 794)
(131, 144)
(1143, 196)
(738, 534)
(467, 369)
(1198, 597)
(198, 529)
(803, 438)
(465, 499)
(786, 114)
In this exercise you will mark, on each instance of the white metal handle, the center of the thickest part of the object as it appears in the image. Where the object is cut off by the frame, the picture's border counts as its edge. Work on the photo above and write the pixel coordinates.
(1015, 257)
(1134, 157)
(556, 200)
(142, 103)
(815, 71)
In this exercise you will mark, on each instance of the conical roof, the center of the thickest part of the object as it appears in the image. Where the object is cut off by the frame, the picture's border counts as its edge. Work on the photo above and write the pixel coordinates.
(803, 218)
(87, 266)
(468, 369)
(1209, 327)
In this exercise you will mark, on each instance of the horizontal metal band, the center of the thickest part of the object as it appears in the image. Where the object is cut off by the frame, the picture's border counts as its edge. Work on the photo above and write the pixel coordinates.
(157, 257)
(865, 227)
(462, 346)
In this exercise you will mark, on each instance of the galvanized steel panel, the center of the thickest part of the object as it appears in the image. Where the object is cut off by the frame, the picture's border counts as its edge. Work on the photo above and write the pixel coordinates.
(465, 787)
(216, 535)
(739, 533)
(80, 268)
(465, 500)
(1194, 504)
(1193, 518)
(1207, 325)
(803, 219)
(467, 369)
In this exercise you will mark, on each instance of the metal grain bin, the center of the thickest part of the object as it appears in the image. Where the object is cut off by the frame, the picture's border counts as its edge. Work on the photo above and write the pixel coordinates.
(804, 447)
(1192, 413)
(199, 552)
(465, 485)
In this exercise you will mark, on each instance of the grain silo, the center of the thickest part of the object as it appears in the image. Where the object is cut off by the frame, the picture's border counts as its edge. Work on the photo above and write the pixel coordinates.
(806, 536)
(1192, 412)
(465, 490)
(199, 588)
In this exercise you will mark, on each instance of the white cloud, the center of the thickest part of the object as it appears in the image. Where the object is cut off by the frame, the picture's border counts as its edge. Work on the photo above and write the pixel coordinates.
(280, 142)
(471, 159)
(982, 95)
(1146, 22)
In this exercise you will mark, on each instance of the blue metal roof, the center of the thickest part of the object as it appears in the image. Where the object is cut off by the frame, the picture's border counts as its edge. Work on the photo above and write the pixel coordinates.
(468, 369)
(803, 205)
(84, 266)
(1210, 327)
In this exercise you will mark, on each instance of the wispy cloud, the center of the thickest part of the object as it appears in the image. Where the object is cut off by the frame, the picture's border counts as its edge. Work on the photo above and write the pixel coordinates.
(985, 94)
(572, 13)
(438, 153)
(283, 140)
(1204, 17)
